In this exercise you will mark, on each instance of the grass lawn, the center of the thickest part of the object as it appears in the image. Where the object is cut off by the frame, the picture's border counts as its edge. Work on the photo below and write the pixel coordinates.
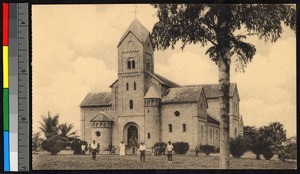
(44, 161)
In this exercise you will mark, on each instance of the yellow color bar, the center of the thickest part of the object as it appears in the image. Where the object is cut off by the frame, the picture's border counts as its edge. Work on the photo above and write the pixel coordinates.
(5, 66)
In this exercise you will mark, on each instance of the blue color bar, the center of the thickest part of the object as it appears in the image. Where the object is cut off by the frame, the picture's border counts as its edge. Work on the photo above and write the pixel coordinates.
(6, 151)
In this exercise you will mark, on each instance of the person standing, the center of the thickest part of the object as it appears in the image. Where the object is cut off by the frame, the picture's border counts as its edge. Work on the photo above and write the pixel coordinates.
(89, 148)
(94, 149)
(122, 148)
(98, 148)
(142, 150)
(83, 149)
(196, 150)
(169, 151)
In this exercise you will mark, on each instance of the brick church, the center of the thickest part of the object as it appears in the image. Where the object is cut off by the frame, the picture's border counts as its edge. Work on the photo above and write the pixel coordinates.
(145, 107)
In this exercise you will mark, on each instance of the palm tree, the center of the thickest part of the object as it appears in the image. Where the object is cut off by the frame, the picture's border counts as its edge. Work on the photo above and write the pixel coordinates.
(49, 125)
(218, 25)
(65, 130)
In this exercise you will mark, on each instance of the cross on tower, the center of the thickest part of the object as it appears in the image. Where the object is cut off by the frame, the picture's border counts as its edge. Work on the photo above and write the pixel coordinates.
(135, 11)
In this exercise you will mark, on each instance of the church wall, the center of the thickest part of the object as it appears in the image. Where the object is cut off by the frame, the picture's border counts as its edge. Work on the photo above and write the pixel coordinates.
(187, 111)
(137, 96)
(152, 125)
(202, 133)
(89, 114)
(202, 108)
(105, 137)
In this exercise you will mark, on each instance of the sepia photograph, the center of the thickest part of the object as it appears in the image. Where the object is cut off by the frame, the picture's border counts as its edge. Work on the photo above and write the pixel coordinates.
(164, 86)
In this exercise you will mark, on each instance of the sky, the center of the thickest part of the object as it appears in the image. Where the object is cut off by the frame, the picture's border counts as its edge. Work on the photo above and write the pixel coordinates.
(74, 52)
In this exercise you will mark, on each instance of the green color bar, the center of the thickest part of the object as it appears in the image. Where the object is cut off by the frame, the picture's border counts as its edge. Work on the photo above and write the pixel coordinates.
(5, 109)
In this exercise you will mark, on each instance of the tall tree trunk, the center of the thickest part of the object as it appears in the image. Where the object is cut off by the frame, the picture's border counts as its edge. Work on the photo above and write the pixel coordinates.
(223, 38)
(224, 84)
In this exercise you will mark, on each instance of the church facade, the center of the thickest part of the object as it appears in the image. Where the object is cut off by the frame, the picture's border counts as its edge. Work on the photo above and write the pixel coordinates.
(145, 107)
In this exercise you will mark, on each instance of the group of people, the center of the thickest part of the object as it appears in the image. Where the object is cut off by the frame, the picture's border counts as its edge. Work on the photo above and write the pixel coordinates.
(94, 149)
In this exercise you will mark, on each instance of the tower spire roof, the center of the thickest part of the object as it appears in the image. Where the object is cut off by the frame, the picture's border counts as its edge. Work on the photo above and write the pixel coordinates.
(138, 30)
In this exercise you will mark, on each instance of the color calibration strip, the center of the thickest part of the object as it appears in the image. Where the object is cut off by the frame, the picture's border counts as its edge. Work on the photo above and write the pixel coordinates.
(5, 88)
(15, 87)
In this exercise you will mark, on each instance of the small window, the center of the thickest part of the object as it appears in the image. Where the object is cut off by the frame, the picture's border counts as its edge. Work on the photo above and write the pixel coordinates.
(177, 113)
(130, 104)
(148, 136)
(128, 65)
(170, 128)
(134, 86)
(210, 132)
(217, 134)
(127, 86)
(133, 64)
(184, 127)
(235, 132)
(148, 64)
(201, 131)
(98, 134)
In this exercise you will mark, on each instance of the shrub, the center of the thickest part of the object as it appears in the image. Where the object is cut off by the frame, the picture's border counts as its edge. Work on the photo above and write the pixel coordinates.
(160, 148)
(268, 153)
(181, 147)
(288, 152)
(237, 147)
(54, 144)
(76, 146)
(207, 149)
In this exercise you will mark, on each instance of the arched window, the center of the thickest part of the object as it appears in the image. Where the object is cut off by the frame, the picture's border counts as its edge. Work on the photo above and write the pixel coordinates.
(134, 86)
(217, 134)
(170, 128)
(133, 64)
(148, 64)
(235, 132)
(130, 104)
(184, 127)
(148, 136)
(128, 64)
(201, 131)
(127, 86)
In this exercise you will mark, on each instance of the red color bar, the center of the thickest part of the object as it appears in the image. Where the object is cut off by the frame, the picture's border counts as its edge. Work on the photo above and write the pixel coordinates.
(5, 24)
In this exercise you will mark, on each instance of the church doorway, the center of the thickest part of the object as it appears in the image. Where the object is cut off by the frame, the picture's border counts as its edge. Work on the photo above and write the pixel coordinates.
(132, 135)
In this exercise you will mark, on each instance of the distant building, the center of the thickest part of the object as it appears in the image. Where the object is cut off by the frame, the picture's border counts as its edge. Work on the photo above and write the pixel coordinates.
(145, 107)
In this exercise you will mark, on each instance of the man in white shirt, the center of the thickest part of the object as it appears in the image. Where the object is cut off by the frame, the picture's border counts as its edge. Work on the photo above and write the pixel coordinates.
(94, 149)
(142, 149)
(169, 151)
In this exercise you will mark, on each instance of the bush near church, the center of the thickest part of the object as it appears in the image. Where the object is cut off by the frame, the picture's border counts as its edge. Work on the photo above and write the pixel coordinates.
(181, 147)
(76, 147)
(54, 144)
(207, 149)
(288, 152)
(237, 146)
(268, 153)
(159, 148)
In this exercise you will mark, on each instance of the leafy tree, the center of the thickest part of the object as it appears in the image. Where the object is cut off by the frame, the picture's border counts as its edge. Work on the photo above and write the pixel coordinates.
(237, 146)
(275, 133)
(252, 140)
(35, 140)
(49, 126)
(218, 25)
(65, 129)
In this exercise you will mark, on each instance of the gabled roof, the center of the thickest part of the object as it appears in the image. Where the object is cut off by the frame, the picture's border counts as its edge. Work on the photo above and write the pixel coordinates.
(212, 120)
(212, 90)
(102, 117)
(163, 80)
(138, 30)
(152, 93)
(182, 94)
(97, 99)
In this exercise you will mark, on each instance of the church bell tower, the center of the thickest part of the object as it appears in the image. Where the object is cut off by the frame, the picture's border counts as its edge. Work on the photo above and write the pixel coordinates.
(135, 58)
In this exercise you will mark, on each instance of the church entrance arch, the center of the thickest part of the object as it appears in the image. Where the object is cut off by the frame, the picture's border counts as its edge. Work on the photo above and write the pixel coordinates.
(131, 134)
